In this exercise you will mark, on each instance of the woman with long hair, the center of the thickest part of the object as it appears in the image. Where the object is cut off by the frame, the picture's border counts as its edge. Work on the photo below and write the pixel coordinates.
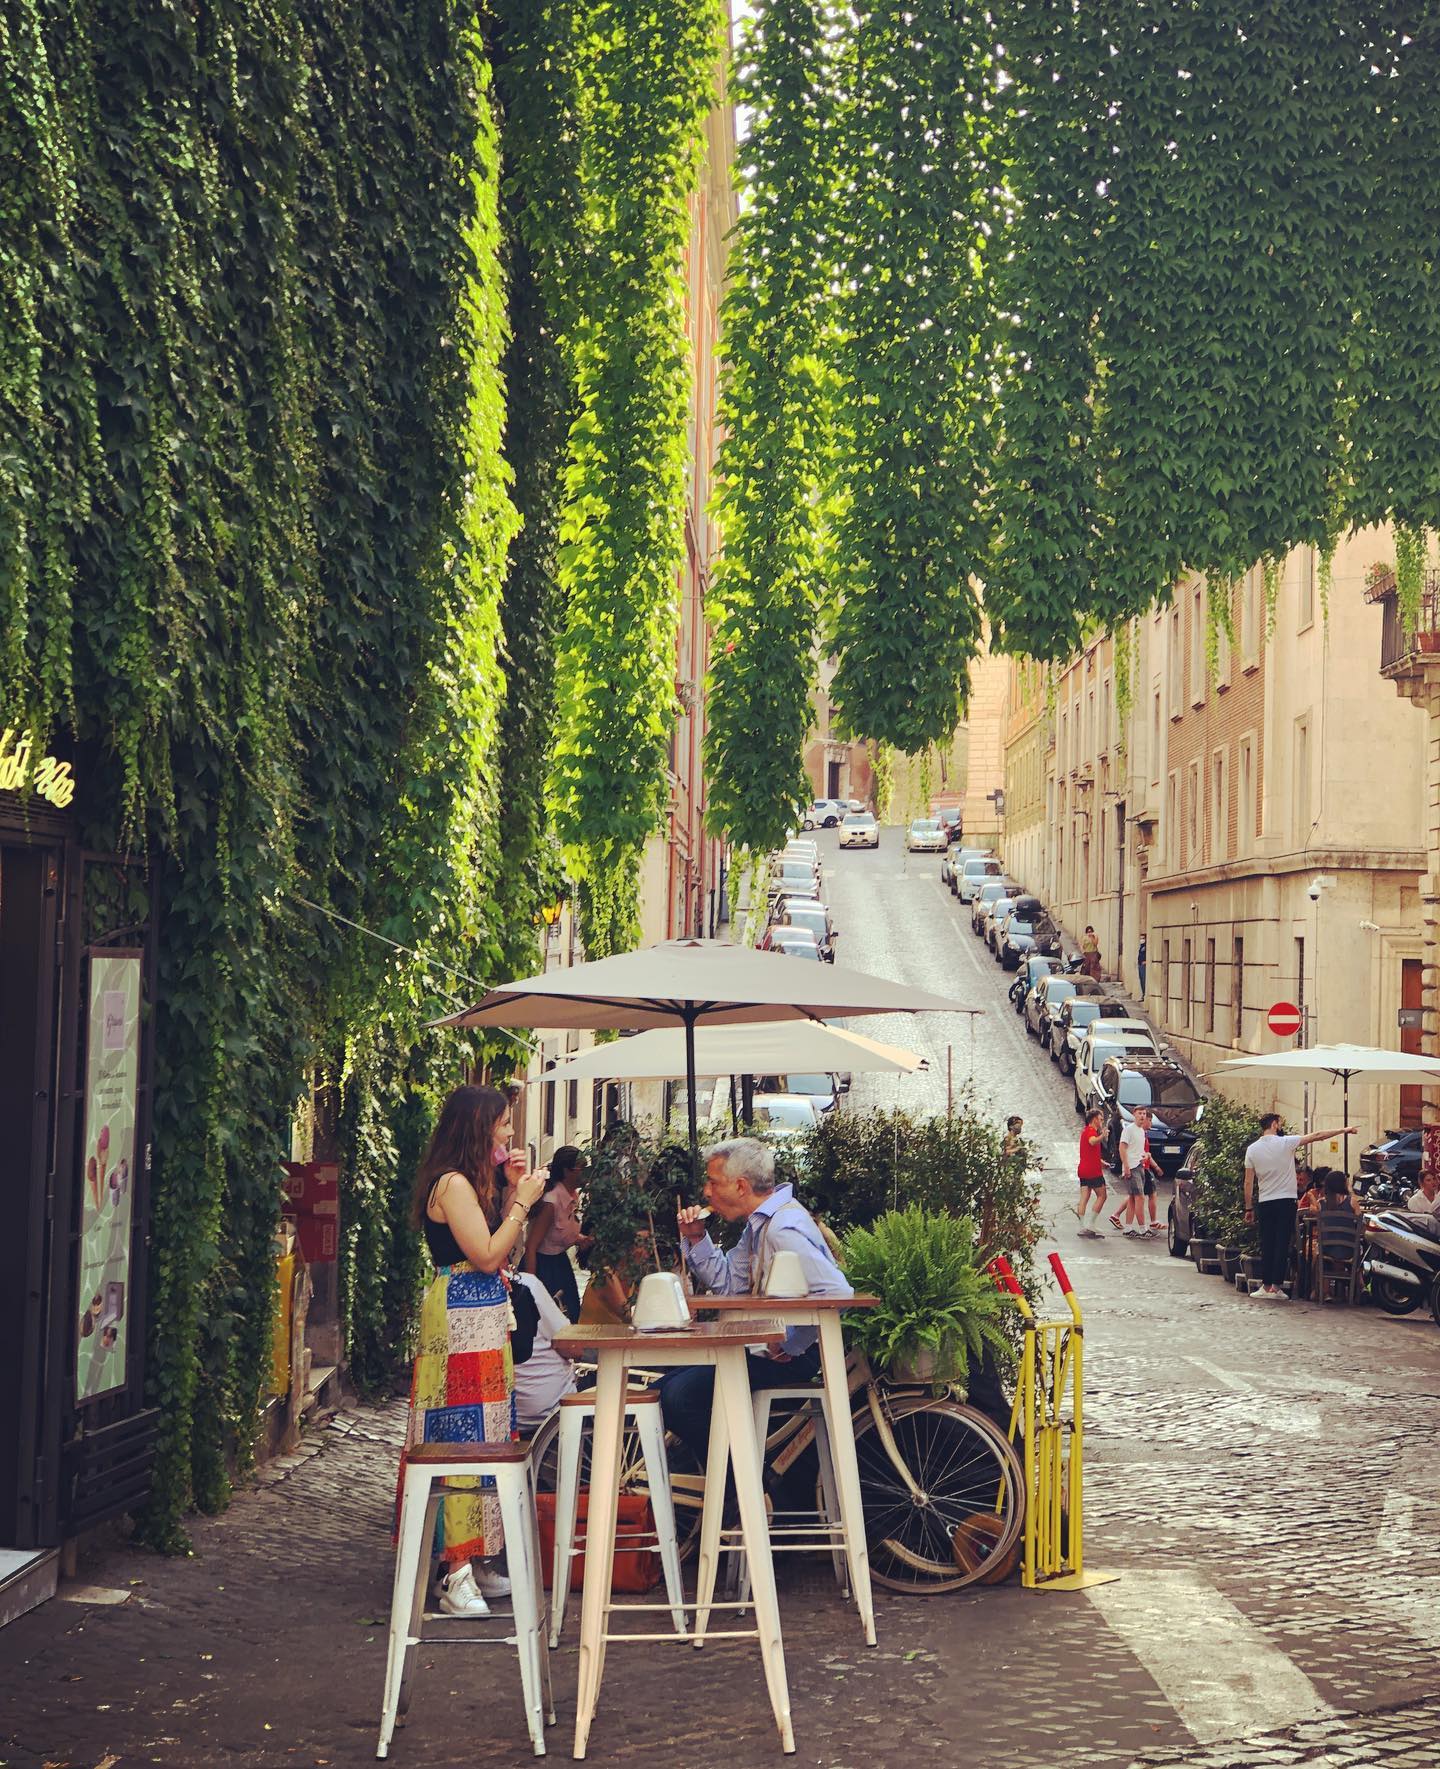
(556, 1229)
(463, 1386)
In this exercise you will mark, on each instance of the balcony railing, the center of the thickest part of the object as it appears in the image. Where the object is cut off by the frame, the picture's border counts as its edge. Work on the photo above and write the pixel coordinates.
(1404, 637)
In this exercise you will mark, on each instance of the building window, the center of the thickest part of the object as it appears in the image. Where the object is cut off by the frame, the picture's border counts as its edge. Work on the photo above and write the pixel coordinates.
(1222, 635)
(1237, 990)
(1301, 791)
(1251, 597)
(1197, 648)
(572, 1104)
(1156, 753)
(1209, 985)
(1245, 817)
(1194, 827)
(1219, 807)
(1171, 831)
(1300, 989)
(1166, 983)
(1173, 664)
(1186, 983)
(1308, 558)
(548, 1089)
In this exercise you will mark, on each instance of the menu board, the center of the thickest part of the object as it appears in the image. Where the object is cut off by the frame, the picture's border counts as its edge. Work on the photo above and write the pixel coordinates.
(107, 1172)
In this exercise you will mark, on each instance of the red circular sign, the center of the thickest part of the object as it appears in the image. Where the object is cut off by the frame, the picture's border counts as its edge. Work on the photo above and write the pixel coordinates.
(1283, 1019)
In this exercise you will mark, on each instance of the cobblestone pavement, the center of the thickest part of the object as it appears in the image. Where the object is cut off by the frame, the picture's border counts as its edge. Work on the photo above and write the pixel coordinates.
(1262, 1478)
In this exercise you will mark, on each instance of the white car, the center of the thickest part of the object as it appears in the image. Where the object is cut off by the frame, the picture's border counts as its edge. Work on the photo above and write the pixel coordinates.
(784, 1114)
(860, 830)
(926, 835)
(1110, 1038)
(823, 814)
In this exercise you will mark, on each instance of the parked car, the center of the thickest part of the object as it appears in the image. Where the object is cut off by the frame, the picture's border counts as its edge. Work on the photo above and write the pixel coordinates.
(794, 875)
(1074, 1020)
(859, 830)
(784, 1114)
(992, 918)
(949, 816)
(1042, 1005)
(813, 919)
(1158, 1082)
(823, 814)
(1397, 1157)
(991, 890)
(1031, 970)
(799, 849)
(823, 1091)
(794, 942)
(1181, 1225)
(925, 835)
(978, 870)
(855, 805)
(1017, 939)
(803, 897)
(1104, 1041)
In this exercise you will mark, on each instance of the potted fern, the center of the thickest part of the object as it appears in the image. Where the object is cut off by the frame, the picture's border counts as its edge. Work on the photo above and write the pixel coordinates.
(938, 1308)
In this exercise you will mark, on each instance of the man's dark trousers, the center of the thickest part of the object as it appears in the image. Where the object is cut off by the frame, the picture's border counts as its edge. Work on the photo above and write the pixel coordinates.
(687, 1396)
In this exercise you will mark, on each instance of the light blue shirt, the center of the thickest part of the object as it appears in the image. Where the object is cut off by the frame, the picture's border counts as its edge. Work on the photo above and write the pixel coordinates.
(793, 1230)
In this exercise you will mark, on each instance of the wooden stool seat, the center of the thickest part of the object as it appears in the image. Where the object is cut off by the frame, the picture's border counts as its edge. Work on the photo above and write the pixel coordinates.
(478, 1453)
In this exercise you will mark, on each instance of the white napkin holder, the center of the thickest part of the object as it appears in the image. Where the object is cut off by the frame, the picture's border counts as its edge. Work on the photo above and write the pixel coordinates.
(785, 1275)
(660, 1305)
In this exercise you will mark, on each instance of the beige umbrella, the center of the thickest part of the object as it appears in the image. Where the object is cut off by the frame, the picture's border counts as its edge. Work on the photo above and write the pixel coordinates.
(689, 983)
(1339, 1062)
(786, 1047)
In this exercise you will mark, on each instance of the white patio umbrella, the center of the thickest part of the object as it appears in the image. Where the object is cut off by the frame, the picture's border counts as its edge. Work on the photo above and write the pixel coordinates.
(785, 1047)
(688, 983)
(1343, 1063)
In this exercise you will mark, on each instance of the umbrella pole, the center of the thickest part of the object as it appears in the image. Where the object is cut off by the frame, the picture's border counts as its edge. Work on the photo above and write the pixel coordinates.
(734, 1107)
(690, 1098)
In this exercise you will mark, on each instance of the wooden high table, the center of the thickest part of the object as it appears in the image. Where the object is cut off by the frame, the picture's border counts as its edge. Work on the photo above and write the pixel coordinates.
(823, 1313)
(618, 1349)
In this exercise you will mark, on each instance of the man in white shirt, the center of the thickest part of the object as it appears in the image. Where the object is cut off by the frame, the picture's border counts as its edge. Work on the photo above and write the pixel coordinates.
(1427, 1200)
(1271, 1193)
(1135, 1158)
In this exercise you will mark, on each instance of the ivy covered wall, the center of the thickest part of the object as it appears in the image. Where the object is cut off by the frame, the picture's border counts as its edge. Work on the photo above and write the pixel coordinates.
(280, 557)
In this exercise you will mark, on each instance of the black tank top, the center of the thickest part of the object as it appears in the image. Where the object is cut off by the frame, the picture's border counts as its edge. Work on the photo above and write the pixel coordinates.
(440, 1237)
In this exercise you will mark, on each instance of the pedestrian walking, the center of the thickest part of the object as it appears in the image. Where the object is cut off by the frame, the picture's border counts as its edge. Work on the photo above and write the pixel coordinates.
(1014, 1143)
(1091, 1174)
(1136, 1162)
(556, 1229)
(463, 1385)
(1090, 953)
(1140, 964)
(1272, 1196)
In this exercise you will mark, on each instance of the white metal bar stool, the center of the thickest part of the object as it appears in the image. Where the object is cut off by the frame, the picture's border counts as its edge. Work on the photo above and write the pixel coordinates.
(509, 1466)
(642, 1406)
(833, 1391)
(828, 1531)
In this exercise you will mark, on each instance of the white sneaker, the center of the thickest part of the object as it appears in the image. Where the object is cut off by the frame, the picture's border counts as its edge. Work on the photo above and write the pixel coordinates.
(459, 1595)
(492, 1583)
(1134, 1234)
(1262, 1295)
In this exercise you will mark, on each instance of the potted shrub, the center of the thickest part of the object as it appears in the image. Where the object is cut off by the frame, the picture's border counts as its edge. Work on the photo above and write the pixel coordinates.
(1225, 1132)
(938, 1307)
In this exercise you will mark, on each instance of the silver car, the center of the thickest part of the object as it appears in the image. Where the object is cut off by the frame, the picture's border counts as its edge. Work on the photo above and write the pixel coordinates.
(926, 835)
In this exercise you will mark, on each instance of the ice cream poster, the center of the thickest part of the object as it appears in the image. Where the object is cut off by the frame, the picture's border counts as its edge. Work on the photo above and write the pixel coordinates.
(107, 1172)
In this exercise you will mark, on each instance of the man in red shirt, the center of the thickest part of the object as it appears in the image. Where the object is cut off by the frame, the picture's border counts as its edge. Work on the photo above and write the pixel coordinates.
(1091, 1174)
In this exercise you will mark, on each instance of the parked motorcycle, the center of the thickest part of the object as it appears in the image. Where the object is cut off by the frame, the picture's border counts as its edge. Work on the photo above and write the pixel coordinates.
(1401, 1260)
(1384, 1191)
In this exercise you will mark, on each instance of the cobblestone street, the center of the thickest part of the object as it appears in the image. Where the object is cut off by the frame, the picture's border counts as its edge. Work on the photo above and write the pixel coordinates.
(1261, 1478)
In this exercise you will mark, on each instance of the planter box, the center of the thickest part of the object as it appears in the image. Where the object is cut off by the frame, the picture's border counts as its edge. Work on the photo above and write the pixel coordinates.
(1201, 1249)
(1229, 1258)
(1250, 1265)
(1209, 1267)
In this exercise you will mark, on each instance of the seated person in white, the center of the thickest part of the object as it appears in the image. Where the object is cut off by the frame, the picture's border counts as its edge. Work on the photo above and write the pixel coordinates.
(1427, 1199)
(740, 1187)
(545, 1375)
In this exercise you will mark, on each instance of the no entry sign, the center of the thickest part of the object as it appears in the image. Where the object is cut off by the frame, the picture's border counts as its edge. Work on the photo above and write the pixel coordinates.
(1283, 1019)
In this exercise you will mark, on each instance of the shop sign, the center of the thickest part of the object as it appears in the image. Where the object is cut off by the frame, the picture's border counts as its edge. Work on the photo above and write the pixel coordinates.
(22, 771)
(108, 1176)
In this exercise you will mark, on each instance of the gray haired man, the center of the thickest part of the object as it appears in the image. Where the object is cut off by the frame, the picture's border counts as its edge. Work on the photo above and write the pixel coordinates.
(740, 1187)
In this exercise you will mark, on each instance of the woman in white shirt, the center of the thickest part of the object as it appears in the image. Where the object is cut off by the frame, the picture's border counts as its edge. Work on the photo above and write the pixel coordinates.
(545, 1376)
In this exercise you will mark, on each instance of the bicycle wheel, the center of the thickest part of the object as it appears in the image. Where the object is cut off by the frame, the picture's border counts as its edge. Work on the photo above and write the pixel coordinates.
(966, 1477)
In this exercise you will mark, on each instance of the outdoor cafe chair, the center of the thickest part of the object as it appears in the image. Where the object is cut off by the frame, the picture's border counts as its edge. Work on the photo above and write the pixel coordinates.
(1340, 1238)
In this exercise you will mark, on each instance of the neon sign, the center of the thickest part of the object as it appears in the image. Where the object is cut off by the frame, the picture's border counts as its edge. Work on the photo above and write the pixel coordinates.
(44, 775)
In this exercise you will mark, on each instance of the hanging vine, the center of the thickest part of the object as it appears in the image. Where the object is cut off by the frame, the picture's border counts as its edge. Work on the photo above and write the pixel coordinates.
(917, 203)
(645, 82)
(770, 579)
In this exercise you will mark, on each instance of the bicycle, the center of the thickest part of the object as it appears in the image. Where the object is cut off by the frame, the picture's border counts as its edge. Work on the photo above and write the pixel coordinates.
(930, 1466)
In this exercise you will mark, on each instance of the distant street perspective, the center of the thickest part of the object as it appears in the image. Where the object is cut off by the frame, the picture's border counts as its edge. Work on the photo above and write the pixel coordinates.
(719, 884)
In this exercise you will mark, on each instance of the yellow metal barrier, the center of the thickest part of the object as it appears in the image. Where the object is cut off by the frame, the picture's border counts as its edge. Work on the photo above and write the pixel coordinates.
(1049, 1412)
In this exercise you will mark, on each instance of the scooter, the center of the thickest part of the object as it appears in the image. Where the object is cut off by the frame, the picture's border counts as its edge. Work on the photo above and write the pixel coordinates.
(1401, 1260)
(1385, 1191)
